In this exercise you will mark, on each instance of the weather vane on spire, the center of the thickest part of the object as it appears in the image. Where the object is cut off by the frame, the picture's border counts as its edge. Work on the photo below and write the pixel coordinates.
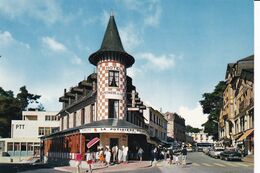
(112, 12)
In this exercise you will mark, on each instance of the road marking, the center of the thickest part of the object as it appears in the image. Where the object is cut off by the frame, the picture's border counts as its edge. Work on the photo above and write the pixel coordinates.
(231, 164)
(205, 164)
(242, 164)
(218, 164)
(195, 164)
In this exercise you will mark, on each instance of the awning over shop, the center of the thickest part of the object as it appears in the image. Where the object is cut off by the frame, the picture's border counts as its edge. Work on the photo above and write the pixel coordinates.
(245, 135)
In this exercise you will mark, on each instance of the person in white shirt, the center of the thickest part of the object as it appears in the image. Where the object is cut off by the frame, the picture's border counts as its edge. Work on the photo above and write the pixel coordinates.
(120, 155)
(108, 156)
(140, 153)
(125, 153)
(89, 159)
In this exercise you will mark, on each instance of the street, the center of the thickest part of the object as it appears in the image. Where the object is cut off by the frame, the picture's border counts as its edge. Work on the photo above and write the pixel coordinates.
(197, 162)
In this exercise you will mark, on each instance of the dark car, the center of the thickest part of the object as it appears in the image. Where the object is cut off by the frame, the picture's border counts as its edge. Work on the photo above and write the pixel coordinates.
(230, 155)
(5, 154)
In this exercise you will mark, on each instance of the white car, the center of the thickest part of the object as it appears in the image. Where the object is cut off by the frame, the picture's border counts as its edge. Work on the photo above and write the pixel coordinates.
(215, 152)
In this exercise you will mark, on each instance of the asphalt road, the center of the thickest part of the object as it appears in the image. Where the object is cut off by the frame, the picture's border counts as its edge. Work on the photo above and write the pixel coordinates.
(197, 163)
(200, 163)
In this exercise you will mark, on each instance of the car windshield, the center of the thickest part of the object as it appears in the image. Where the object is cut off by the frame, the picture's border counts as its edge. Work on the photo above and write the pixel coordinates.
(219, 149)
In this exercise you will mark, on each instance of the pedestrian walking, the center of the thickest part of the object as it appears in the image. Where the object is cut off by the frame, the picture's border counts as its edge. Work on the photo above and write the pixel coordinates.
(97, 156)
(107, 156)
(184, 155)
(140, 153)
(125, 154)
(78, 161)
(101, 156)
(89, 159)
(114, 153)
(120, 155)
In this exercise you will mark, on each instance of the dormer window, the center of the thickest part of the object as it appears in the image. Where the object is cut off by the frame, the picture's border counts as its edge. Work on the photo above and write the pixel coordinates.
(113, 79)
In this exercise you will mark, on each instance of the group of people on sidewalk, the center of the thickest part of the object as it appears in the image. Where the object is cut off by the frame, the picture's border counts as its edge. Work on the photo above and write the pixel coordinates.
(170, 156)
(107, 156)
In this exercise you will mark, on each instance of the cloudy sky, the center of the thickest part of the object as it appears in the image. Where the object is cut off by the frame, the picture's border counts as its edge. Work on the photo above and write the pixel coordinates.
(181, 47)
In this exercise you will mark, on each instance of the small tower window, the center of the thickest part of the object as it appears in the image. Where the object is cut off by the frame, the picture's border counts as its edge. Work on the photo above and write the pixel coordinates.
(113, 108)
(113, 78)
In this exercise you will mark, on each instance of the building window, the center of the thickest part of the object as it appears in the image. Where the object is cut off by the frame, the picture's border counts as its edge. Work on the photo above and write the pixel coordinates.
(82, 116)
(92, 113)
(23, 146)
(242, 127)
(41, 130)
(67, 121)
(47, 130)
(10, 146)
(54, 118)
(113, 108)
(74, 119)
(62, 121)
(47, 118)
(113, 80)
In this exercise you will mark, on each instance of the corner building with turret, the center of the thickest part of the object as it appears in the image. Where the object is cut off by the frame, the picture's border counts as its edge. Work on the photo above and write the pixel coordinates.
(105, 105)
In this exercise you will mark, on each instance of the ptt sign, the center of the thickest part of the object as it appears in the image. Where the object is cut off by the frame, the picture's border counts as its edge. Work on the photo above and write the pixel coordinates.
(19, 126)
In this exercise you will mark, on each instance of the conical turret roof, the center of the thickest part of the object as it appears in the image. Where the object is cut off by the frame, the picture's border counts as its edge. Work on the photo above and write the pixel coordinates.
(111, 40)
(111, 47)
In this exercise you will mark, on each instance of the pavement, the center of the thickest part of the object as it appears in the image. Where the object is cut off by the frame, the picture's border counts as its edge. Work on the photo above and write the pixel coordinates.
(249, 158)
(100, 168)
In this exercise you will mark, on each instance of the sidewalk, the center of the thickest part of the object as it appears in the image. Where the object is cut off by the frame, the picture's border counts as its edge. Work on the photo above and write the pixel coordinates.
(249, 158)
(99, 168)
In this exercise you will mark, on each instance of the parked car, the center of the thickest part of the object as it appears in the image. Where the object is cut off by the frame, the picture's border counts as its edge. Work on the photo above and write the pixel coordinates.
(5, 154)
(230, 154)
(189, 149)
(215, 152)
(206, 150)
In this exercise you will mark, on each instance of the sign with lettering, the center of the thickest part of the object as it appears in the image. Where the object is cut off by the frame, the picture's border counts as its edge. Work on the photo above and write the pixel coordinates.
(113, 130)
(112, 68)
(113, 95)
(19, 126)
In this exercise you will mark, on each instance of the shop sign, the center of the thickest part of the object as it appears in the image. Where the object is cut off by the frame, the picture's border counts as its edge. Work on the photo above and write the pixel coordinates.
(113, 95)
(113, 130)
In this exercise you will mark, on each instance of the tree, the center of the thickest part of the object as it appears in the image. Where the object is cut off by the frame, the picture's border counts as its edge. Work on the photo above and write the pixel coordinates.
(211, 105)
(25, 98)
(190, 129)
(11, 107)
(9, 110)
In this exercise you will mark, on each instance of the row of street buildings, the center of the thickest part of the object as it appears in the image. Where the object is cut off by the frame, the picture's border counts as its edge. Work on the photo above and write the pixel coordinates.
(236, 120)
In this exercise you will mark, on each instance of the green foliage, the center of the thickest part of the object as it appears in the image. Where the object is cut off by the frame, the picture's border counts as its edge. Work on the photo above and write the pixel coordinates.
(211, 105)
(190, 129)
(25, 97)
(11, 107)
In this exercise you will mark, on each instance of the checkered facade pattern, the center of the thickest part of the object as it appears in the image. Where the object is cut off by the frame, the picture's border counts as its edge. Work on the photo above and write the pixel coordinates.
(104, 92)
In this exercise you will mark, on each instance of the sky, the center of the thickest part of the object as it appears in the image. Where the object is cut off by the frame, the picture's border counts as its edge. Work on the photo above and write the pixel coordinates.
(181, 47)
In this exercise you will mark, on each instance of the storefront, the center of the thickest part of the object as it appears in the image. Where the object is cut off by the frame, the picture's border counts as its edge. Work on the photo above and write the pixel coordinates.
(247, 141)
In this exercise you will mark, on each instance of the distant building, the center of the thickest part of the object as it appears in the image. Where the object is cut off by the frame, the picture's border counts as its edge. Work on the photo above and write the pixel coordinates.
(201, 137)
(157, 125)
(26, 133)
(236, 120)
(175, 127)
(189, 139)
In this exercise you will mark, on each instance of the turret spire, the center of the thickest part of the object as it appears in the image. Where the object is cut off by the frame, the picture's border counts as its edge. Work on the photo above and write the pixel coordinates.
(111, 46)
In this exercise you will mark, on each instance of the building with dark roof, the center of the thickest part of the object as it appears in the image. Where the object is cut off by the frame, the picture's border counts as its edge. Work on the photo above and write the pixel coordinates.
(104, 105)
(236, 120)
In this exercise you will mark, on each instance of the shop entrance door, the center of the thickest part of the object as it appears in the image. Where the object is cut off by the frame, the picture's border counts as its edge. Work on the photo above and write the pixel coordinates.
(113, 142)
